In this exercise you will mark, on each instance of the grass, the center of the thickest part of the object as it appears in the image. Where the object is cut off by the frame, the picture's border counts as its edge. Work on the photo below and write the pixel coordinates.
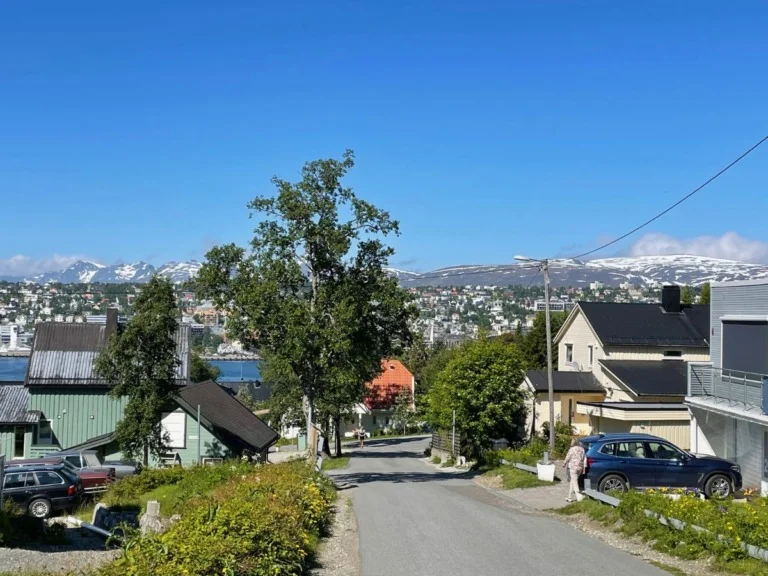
(512, 478)
(168, 496)
(336, 463)
(597, 511)
(668, 568)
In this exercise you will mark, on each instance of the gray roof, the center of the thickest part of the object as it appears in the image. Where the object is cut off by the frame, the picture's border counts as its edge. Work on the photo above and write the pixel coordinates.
(63, 354)
(650, 377)
(566, 381)
(14, 399)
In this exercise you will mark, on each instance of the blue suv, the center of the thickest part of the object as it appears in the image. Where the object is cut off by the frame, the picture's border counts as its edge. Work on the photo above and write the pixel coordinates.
(616, 462)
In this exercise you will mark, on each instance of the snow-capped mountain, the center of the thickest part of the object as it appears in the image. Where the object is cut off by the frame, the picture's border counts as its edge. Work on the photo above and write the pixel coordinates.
(86, 272)
(641, 271)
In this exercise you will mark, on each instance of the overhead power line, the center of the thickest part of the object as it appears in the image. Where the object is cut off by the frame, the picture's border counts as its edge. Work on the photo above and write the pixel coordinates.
(676, 204)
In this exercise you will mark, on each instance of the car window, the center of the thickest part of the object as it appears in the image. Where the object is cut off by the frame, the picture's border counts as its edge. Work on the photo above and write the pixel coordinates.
(48, 478)
(630, 450)
(608, 449)
(662, 451)
(74, 460)
(18, 480)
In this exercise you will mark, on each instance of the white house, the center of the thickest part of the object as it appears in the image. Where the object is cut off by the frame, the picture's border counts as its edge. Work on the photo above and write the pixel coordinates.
(638, 353)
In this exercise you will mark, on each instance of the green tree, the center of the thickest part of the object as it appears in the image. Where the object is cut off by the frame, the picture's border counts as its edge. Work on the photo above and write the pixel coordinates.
(439, 356)
(534, 345)
(706, 294)
(404, 411)
(140, 363)
(313, 291)
(482, 383)
(686, 295)
(200, 370)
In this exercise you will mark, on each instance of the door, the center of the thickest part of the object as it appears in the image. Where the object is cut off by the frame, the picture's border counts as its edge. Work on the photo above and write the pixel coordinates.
(18, 486)
(18, 442)
(674, 469)
(635, 463)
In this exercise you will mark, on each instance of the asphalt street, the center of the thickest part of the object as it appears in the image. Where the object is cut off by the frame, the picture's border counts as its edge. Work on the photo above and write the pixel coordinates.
(415, 520)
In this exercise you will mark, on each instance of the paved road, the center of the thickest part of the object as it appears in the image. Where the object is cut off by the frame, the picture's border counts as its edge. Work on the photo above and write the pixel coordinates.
(418, 521)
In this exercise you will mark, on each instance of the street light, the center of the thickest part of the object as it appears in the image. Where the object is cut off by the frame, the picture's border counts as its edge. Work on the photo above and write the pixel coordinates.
(543, 265)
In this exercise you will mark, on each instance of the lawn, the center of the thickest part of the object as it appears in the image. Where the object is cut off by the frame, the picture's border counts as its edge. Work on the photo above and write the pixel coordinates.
(512, 478)
(336, 463)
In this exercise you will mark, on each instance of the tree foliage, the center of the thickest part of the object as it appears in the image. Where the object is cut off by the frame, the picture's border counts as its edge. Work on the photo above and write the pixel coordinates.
(534, 344)
(686, 295)
(200, 370)
(706, 294)
(482, 382)
(140, 363)
(404, 416)
(313, 291)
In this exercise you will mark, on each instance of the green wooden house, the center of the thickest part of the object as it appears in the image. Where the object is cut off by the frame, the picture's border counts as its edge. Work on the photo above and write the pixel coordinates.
(68, 405)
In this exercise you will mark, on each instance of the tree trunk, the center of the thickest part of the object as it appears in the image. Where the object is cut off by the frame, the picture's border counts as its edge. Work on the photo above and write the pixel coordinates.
(145, 456)
(337, 435)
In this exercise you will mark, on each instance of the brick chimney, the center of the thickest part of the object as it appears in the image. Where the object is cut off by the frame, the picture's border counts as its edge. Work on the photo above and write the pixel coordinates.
(670, 299)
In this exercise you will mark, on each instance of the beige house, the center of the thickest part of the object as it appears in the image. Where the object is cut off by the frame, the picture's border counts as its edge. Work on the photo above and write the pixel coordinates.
(569, 389)
(639, 354)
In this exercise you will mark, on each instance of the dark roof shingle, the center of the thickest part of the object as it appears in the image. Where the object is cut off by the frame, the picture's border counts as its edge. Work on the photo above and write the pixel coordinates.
(631, 324)
(14, 399)
(564, 381)
(651, 377)
(228, 416)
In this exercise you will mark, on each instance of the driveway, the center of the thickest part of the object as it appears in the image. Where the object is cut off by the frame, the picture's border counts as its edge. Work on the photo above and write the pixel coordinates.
(417, 521)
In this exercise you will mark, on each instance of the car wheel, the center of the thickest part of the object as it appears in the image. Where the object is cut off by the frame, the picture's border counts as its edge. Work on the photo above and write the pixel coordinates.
(39, 508)
(718, 486)
(613, 483)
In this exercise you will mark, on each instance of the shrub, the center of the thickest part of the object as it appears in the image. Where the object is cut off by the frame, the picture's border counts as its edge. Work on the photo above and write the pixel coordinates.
(263, 523)
(563, 435)
(16, 529)
(129, 489)
(436, 460)
(450, 461)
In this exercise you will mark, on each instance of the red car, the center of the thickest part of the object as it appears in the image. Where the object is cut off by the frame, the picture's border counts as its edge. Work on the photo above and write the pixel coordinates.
(93, 481)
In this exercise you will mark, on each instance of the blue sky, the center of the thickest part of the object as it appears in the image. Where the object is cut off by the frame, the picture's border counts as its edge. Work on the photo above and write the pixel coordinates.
(487, 128)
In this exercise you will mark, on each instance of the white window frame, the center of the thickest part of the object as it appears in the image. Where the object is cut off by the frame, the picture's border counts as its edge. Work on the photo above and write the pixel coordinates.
(175, 425)
(568, 348)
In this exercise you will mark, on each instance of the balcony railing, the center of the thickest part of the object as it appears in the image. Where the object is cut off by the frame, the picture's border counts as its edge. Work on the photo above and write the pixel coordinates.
(735, 386)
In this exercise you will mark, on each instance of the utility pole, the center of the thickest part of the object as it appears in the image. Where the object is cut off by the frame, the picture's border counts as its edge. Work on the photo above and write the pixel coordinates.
(551, 388)
(543, 266)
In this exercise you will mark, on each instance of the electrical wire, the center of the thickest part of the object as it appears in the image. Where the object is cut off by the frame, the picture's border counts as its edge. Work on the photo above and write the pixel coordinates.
(676, 204)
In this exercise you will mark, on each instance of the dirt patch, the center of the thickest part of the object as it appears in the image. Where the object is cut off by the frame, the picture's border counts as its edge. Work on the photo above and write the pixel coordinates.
(339, 553)
(489, 482)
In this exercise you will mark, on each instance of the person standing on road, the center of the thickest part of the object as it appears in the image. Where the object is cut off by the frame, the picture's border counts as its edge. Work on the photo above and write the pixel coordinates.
(361, 434)
(574, 466)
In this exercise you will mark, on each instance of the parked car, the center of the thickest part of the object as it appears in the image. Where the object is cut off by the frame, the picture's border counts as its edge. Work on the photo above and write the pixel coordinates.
(616, 462)
(124, 468)
(42, 489)
(94, 481)
(89, 460)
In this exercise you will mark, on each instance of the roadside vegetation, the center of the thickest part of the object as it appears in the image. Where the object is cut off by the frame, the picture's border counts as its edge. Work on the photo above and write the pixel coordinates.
(336, 463)
(261, 521)
(729, 524)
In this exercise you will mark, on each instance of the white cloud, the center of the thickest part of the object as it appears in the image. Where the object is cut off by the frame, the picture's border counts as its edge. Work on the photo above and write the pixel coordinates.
(729, 246)
(21, 265)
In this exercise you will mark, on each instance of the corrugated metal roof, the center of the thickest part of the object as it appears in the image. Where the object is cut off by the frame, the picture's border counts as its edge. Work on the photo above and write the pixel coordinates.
(65, 353)
(14, 399)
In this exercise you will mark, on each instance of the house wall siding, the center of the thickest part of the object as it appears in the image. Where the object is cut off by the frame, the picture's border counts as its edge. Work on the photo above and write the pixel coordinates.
(210, 446)
(77, 415)
(7, 439)
(580, 421)
(736, 300)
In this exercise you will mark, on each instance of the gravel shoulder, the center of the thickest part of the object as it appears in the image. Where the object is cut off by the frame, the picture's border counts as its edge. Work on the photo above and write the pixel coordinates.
(339, 553)
(84, 553)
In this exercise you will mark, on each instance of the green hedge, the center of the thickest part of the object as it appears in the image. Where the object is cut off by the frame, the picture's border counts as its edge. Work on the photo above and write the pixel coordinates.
(264, 522)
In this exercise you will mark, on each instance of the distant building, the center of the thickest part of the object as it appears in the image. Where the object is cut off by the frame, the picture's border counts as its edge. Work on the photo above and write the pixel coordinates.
(554, 305)
(9, 337)
(596, 286)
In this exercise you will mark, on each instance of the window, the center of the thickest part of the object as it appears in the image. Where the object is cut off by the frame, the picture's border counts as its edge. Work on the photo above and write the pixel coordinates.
(18, 480)
(665, 451)
(608, 449)
(48, 478)
(630, 450)
(590, 355)
(18, 442)
(44, 432)
(745, 346)
(74, 460)
(175, 426)
(569, 353)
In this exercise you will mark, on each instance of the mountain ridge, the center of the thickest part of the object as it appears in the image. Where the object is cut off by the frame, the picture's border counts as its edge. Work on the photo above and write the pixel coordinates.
(637, 270)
